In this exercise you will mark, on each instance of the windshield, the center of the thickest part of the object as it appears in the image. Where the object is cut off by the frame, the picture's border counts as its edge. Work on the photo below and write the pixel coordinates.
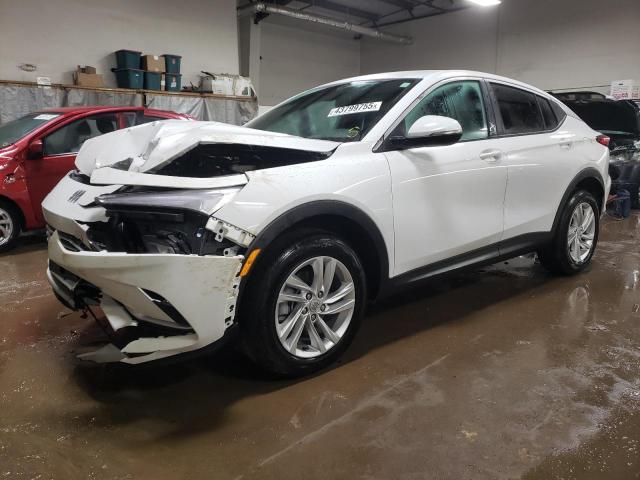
(342, 113)
(14, 130)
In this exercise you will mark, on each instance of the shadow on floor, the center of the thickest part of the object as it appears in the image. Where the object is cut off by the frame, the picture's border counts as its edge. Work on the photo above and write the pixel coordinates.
(194, 396)
(28, 242)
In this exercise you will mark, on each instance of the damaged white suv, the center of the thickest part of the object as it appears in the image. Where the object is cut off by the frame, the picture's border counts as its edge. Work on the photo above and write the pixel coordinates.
(186, 232)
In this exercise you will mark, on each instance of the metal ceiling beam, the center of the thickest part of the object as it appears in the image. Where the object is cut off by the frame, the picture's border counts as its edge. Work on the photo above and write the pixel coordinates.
(429, 3)
(404, 4)
(262, 8)
(336, 7)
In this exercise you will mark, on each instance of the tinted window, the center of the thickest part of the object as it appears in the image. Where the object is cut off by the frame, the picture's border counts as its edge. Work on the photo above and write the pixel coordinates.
(518, 109)
(70, 138)
(131, 119)
(549, 117)
(461, 101)
(559, 111)
(142, 119)
(343, 113)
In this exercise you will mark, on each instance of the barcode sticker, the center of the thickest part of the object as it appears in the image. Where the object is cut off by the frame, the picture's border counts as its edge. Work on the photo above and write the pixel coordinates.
(359, 108)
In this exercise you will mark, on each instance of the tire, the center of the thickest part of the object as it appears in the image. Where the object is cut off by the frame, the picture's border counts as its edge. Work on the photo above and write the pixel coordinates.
(558, 256)
(10, 226)
(266, 316)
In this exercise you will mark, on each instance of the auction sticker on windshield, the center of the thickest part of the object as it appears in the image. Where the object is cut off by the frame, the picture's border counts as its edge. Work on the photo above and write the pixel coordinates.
(46, 116)
(359, 108)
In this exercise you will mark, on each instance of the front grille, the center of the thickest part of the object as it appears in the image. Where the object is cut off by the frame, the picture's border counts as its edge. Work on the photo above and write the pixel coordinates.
(62, 273)
(69, 242)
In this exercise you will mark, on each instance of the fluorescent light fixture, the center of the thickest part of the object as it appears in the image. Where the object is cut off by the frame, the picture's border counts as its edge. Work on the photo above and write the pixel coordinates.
(486, 3)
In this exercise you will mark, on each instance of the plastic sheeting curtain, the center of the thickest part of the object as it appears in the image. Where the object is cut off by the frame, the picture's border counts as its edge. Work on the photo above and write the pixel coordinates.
(236, 112)
(17, 100)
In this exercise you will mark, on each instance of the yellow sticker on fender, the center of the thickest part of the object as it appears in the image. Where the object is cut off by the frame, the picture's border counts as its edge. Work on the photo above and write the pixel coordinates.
(359, 108)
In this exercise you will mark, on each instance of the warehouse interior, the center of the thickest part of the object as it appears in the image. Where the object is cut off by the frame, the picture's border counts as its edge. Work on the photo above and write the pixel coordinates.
(500, 371)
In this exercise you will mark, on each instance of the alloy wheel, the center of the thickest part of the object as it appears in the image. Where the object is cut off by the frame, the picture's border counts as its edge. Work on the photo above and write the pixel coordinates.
(315, 306)
(6, 226)
(582, 228)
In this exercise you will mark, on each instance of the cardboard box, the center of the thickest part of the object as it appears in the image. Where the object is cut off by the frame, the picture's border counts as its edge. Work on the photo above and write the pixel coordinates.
(87, 69)
(88, 79)
(625, 89)
(225, 84)
(153, 63)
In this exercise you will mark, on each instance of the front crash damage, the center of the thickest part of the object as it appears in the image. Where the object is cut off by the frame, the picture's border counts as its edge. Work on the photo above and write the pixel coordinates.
(187, 301)
(166, 283)
(134, 232)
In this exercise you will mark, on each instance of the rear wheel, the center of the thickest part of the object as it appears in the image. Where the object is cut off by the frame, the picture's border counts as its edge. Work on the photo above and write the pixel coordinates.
(9, 226)
(576, 236)
(303, 305)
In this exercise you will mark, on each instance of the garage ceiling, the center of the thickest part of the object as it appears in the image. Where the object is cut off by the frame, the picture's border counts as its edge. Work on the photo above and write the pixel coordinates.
(374, 13)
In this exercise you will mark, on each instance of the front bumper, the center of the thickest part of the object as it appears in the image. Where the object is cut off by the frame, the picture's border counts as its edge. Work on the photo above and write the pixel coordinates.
(168, 303)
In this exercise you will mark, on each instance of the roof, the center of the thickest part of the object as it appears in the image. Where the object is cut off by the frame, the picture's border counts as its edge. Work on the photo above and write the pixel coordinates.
(84, 109)
(437, 75)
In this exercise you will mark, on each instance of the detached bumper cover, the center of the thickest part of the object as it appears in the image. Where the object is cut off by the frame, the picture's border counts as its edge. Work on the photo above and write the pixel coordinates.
(190, 298)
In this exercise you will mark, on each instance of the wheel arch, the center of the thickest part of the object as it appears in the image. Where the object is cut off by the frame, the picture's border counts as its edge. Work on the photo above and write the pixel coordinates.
(588, 179)
(21, 217)
(345, 220)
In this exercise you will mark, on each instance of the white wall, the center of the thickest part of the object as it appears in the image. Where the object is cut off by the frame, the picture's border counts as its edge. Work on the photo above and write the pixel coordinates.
(552, 44)
(57, 35)
(461, 40)
(294, 56)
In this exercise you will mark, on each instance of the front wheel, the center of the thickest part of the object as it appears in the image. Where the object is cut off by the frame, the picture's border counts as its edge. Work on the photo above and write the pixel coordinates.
(9, 226)
(576, 236)
(303, 305)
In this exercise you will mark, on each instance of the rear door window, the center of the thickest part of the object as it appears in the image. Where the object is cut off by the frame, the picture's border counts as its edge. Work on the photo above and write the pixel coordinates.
(131, 119)
(69, 138)
(519, 110)
(142, 119)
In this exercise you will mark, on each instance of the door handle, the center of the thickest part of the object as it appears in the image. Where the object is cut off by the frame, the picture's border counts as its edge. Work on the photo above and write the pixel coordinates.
(566, 144)
(491, 156)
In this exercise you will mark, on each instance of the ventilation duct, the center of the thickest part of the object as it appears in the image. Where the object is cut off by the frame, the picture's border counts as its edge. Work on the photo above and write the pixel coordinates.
(264, 8)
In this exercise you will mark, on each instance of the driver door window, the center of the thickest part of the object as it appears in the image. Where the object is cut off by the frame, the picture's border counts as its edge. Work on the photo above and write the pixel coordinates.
(461, 101)
(69, 138)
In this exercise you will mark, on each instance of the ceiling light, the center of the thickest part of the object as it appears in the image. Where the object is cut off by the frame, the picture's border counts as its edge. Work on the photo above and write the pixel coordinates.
(486, 3)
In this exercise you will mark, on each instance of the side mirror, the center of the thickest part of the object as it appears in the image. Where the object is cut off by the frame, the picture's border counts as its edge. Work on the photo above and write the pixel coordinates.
(35, 150)
(428, 131)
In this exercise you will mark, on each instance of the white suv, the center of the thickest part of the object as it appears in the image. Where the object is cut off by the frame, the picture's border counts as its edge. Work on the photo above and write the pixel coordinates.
(281, 231)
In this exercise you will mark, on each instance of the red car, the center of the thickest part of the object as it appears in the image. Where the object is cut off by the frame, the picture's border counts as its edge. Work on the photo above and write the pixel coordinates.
(37, 150)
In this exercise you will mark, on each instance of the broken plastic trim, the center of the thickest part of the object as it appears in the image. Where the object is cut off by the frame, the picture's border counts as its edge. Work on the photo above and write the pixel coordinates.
(202, 201)
(220, 159)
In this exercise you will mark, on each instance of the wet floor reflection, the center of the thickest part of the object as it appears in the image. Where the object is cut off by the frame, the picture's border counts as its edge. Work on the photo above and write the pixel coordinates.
(498, 373)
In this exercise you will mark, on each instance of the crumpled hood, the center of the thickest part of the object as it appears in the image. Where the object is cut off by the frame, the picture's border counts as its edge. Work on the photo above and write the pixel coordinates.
(149, 146)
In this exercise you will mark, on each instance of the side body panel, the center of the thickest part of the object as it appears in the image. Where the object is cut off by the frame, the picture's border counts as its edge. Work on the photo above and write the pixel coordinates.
(42, 175)
(446, 201)
(352, 175)
(541, 168)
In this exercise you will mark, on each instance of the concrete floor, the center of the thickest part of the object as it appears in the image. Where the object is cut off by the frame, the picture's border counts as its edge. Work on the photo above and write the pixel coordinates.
(506, 372)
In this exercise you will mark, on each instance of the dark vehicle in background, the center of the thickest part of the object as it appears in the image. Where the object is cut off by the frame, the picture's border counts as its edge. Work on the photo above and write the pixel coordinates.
(37, 150)
(617, 119)
(620, 121)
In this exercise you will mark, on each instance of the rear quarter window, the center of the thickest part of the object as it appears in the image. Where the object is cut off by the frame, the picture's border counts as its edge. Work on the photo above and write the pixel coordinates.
(550, 119)
(558, 111)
